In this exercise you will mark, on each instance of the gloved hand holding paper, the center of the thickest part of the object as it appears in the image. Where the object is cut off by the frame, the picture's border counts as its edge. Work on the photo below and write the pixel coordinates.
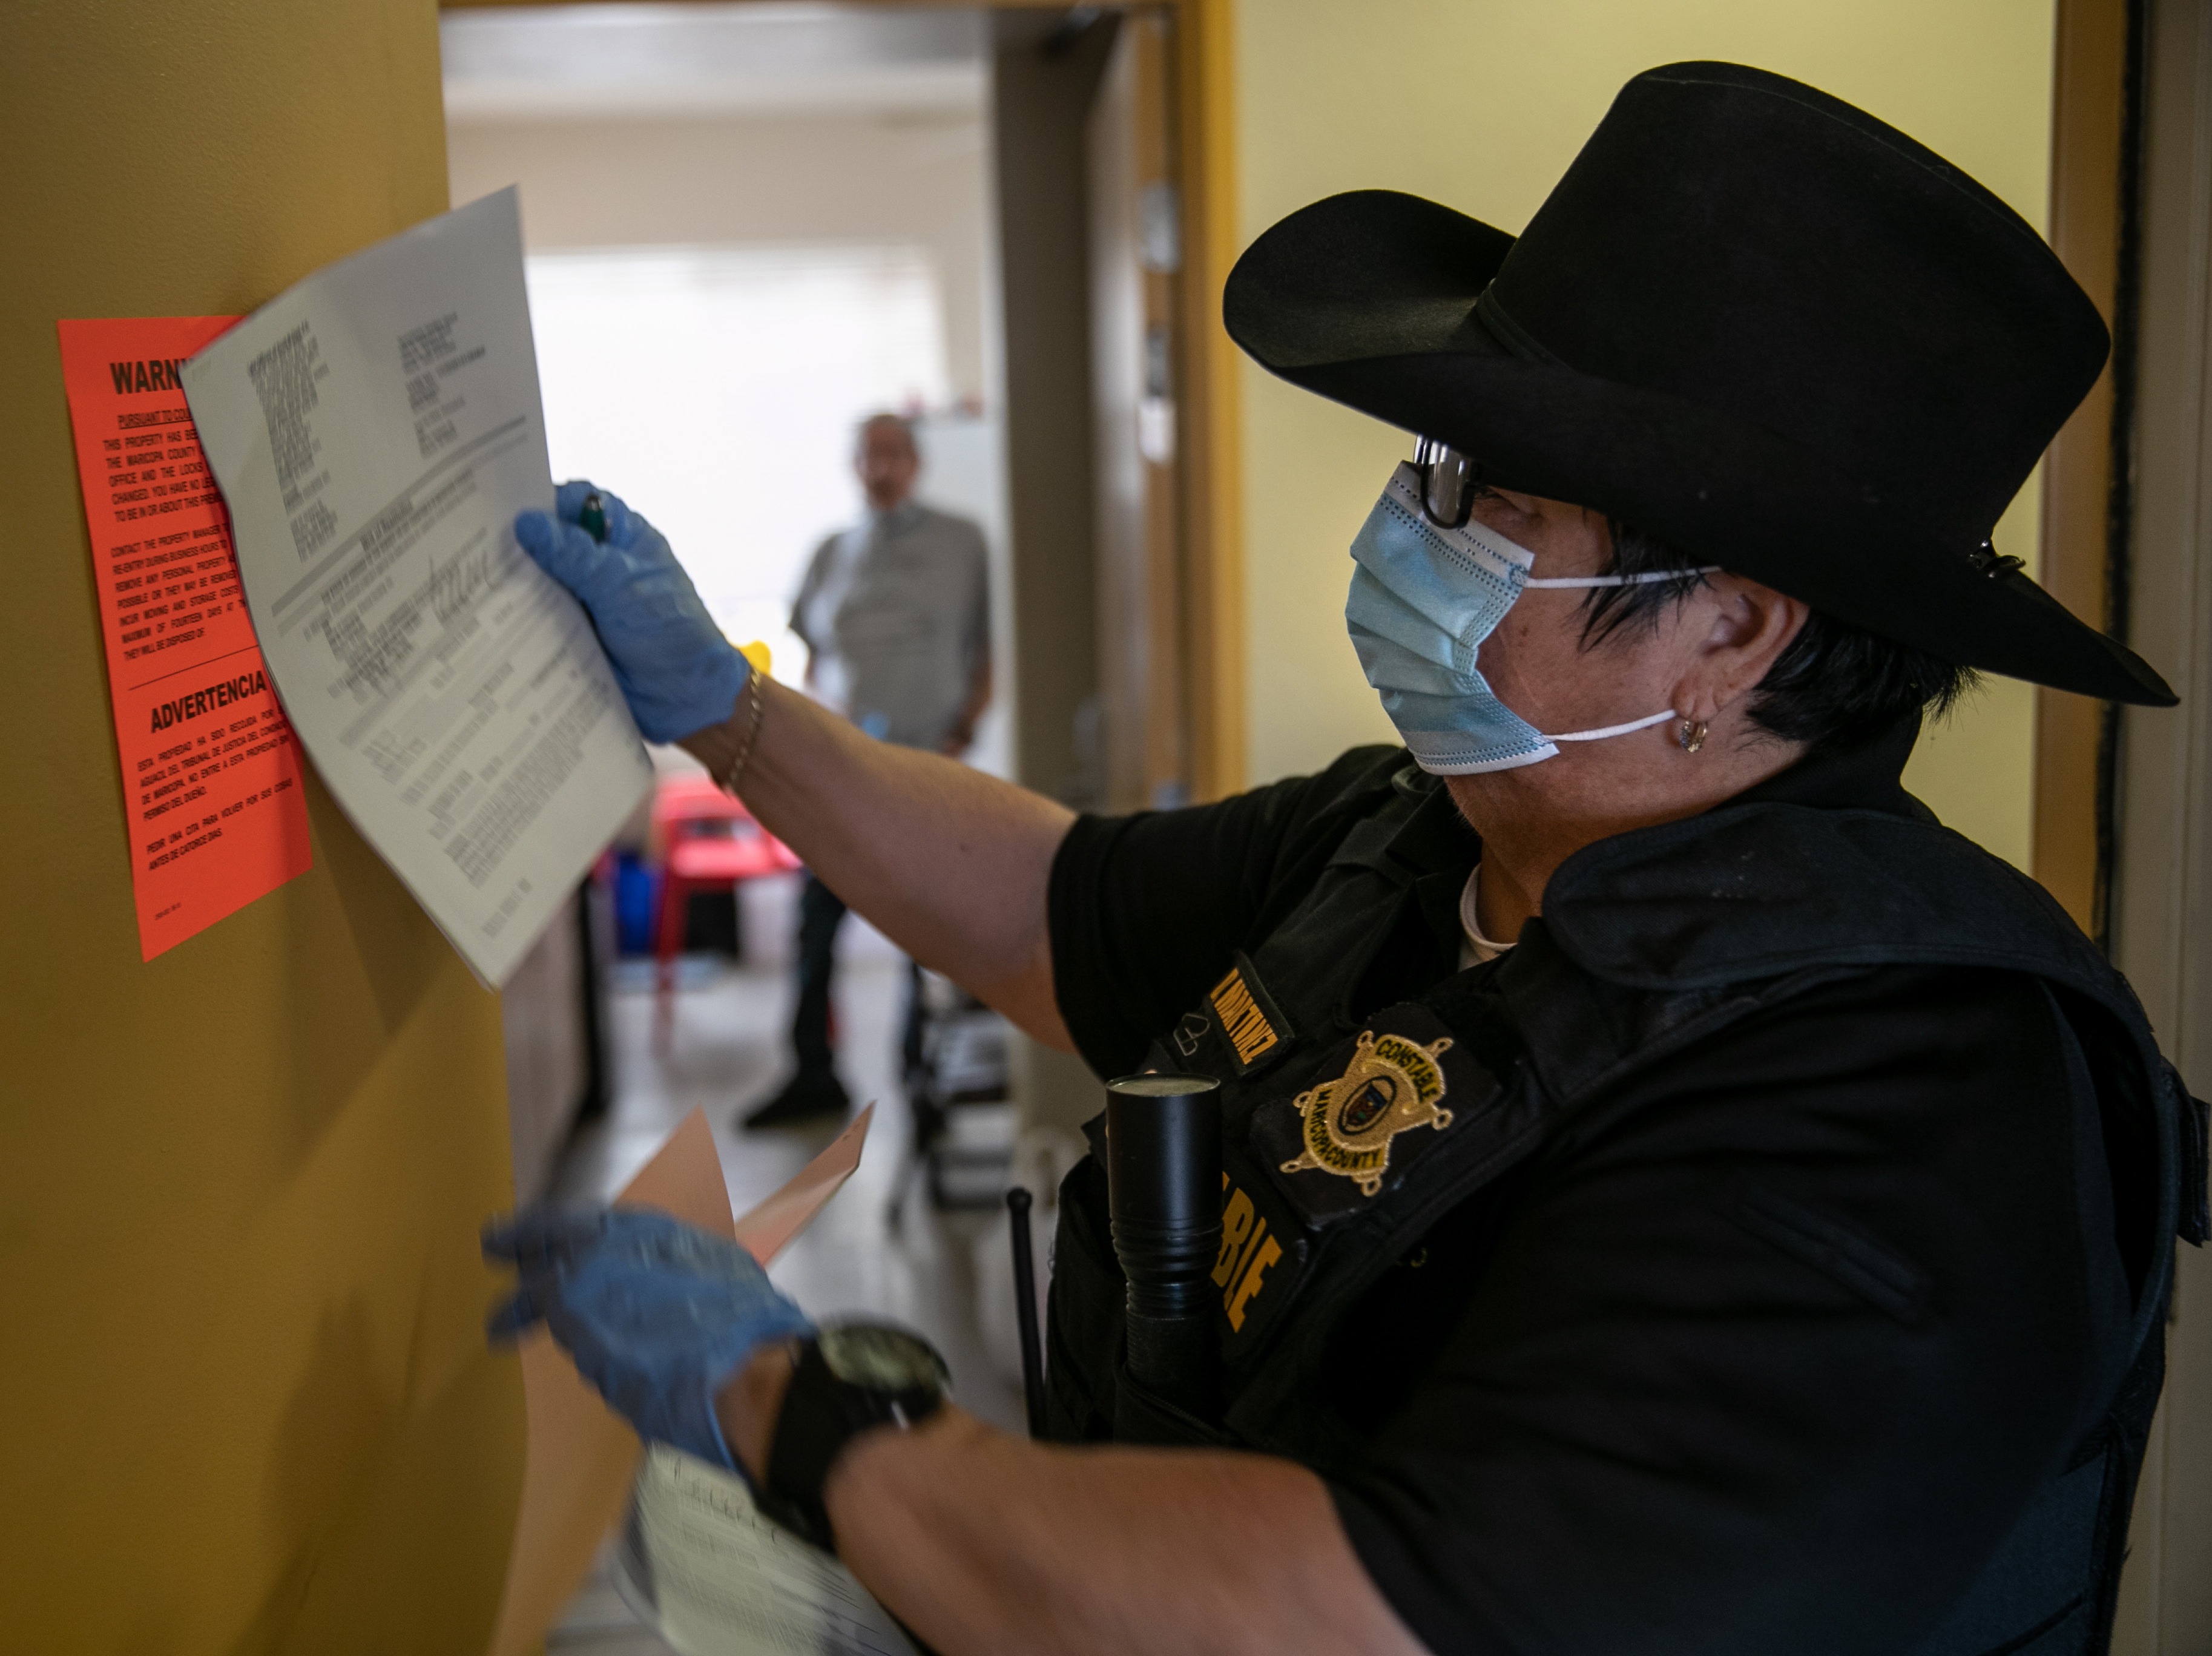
(584, 1460)
(656, 1313)
(677, 672)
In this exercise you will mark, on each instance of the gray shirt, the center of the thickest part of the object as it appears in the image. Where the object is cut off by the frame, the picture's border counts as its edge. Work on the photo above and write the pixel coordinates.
(896, 611)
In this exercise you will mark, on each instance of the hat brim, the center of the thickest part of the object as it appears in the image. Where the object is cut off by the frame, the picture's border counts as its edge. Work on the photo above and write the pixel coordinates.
(1368, 300)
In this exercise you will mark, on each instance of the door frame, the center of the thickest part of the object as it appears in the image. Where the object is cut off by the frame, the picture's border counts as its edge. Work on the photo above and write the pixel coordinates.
(1209, 422)
(2161, 882)
(2088, 474)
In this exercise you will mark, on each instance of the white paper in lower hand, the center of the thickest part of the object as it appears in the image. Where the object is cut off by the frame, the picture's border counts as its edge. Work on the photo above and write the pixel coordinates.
(725, 1581)
(375, 428)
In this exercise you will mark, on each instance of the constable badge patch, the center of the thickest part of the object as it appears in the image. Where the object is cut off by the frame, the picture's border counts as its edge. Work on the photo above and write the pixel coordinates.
(1392, 1084)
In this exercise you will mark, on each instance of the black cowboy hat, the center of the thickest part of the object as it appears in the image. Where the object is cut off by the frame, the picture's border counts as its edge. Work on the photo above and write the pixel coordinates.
(1751, 319)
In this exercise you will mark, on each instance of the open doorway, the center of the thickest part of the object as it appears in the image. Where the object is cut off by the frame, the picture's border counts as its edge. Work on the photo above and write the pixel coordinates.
(747, 226)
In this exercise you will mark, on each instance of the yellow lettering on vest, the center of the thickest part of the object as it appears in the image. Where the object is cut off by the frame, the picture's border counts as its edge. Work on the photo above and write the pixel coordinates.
(1235, 1227)
(1251, 1246)
(1241, 1020)
(1265, 1255)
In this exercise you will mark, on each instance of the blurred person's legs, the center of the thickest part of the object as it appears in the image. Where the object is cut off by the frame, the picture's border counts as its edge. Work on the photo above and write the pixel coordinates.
(821, 912)
(814, 1090)
(910, 1038)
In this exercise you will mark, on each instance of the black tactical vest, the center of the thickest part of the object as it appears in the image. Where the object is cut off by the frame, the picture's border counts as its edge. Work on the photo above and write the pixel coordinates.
(1346, 1139)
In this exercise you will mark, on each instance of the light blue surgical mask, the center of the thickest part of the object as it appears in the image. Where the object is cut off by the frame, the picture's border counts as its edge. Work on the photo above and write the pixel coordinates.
(1423, 599)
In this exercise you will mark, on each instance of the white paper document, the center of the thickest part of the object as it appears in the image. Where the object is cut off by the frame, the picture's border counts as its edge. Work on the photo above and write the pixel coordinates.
(374, 429)
(700, 1563)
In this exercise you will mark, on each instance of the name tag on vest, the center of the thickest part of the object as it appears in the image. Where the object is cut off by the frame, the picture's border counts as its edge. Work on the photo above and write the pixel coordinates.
(1239, 1019)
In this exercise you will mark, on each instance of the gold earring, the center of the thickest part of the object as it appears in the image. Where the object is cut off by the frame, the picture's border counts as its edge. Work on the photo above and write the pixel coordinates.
(1691, 735)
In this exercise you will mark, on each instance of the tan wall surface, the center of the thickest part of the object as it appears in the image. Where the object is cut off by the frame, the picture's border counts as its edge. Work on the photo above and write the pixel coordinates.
(245, 1405)
(1482, 106)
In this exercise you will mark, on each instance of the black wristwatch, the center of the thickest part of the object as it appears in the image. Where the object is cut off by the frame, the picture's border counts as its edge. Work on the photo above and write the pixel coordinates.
(850, 1377)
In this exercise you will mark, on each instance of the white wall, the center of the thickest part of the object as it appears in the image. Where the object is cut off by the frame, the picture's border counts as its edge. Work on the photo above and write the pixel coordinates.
(1482, 106)
(804, 179)
(717, 389)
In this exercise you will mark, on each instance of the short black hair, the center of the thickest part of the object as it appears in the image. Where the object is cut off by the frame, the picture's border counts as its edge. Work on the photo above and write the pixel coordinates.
(1836, 687)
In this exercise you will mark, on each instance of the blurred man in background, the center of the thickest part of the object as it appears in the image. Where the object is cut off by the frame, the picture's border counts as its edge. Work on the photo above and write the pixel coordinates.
(895, 616)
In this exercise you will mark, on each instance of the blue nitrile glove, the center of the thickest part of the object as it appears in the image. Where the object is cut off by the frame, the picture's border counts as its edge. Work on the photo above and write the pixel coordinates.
(656, 1315)
(676, 671)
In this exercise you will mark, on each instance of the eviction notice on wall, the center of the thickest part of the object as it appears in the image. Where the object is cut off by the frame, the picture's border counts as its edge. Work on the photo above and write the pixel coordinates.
(211, 799)
(374, 430)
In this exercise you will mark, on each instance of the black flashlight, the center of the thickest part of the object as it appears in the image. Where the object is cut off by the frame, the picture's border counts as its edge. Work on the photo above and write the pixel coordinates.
(1163, 1194)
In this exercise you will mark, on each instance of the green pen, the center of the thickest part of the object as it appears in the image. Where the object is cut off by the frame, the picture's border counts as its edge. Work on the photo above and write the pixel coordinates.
(592, 517)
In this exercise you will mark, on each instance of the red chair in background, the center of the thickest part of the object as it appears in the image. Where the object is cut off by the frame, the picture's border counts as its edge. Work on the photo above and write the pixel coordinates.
(709, 842)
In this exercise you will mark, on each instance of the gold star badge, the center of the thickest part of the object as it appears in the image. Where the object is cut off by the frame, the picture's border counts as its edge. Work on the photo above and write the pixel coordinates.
(1391, 1085)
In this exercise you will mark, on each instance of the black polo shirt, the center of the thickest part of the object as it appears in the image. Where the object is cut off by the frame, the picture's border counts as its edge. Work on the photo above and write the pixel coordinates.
(1773, 1363)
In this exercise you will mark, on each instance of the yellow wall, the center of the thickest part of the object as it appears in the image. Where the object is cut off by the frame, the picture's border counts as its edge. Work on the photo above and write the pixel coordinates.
(245, 1402)
(1481, 104)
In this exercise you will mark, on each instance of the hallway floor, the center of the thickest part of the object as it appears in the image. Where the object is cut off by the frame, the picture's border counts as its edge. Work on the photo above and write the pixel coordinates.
(728, 1052)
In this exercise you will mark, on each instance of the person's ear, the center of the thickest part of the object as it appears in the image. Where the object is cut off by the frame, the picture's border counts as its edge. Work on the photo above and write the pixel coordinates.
(1751, 625)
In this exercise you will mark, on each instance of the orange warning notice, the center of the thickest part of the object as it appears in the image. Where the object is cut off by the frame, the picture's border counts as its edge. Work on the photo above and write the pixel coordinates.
(211, 769)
